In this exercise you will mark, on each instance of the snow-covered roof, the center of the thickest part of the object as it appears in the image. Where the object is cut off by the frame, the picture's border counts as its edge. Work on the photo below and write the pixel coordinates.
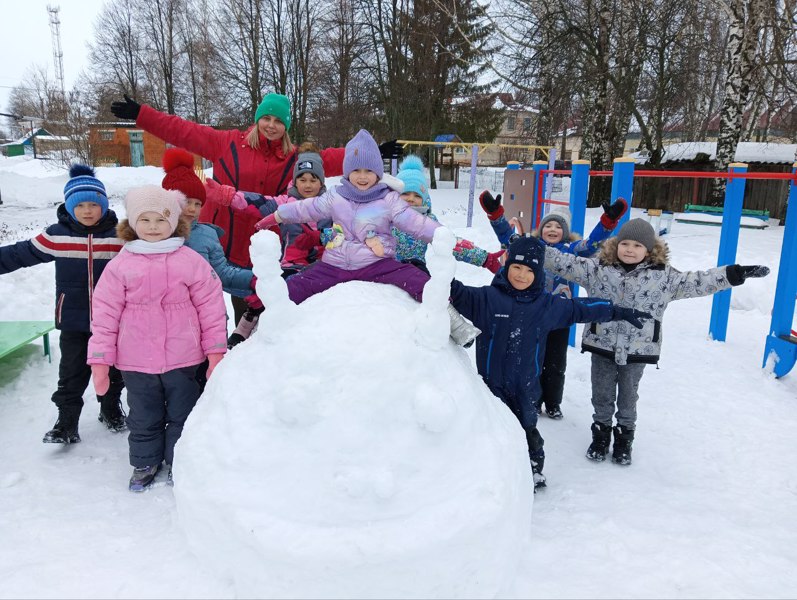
(747, 152)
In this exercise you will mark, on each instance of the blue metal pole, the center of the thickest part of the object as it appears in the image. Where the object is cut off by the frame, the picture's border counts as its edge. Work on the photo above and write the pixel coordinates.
(539, 165)
(780, 341)
(579, 186)
(729, 241)
(623, 185)
(474, 159)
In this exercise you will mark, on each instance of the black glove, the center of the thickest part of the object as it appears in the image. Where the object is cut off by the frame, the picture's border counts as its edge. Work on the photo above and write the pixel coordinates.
(737, 273)
(128, 109)
(391, 149)
(613, 212)
(632, 315)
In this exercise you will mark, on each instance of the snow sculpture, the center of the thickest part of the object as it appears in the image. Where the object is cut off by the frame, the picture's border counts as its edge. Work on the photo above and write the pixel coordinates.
(349, 450)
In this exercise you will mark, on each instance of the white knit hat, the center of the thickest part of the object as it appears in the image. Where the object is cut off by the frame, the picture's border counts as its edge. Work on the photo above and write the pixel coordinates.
(167, 203)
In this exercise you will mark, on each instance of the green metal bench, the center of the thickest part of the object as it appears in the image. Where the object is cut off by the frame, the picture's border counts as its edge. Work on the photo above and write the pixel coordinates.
(15, 334)
(746, 212)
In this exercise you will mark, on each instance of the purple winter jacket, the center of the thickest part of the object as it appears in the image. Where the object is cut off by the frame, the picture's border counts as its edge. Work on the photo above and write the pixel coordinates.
(358, 220)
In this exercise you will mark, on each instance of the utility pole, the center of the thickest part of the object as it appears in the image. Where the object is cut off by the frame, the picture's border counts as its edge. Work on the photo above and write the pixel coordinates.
(58, 55)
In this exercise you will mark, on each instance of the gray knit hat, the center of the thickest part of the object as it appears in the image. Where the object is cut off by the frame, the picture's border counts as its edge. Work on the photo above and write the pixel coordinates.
(309, 162)
(638, 230)
(560, 214)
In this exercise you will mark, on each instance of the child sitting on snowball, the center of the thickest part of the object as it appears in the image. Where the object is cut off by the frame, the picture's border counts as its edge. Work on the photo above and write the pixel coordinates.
(633, 270)
(158, 313)
(364, 210)
(515, 314)
(554, 230)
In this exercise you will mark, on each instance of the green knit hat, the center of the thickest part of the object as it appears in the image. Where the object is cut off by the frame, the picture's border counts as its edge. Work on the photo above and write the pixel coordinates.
(275, 105)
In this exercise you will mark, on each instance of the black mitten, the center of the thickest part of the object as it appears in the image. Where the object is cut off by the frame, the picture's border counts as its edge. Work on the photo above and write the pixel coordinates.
(631, 315)
(492, 206)
(391, 149)
(737, 273)
(613, 212)
(128, 109)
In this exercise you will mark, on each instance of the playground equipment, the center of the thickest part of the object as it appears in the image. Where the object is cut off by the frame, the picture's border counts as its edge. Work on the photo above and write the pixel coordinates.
(781, 345)
(475, 149)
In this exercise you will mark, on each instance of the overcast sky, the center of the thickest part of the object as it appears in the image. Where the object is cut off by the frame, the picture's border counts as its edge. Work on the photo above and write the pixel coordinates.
(25, 39)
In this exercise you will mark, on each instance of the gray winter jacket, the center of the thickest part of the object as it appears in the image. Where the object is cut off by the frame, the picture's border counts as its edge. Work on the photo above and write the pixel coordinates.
(650, 287)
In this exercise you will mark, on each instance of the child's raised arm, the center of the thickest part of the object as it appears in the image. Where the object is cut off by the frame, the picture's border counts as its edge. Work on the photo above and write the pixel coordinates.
(405, 219)
(471, 303)
(568, 266)
(26, 253)
(303, 211)
(612, 213)
(693, 284)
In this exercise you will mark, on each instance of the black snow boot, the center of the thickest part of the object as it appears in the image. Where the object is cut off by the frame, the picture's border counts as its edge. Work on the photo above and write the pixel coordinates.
(111, 414)
(623, 440)
(601, 437)
(65, 429)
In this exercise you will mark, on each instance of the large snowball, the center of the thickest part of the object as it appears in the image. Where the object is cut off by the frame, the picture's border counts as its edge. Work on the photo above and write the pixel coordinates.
(335, 456)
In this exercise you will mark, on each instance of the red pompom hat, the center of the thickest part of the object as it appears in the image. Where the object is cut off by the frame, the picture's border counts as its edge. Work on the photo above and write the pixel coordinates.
(179, 167)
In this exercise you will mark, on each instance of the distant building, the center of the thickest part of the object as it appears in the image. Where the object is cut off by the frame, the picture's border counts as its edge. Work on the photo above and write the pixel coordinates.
(123, 144)
(44, 142)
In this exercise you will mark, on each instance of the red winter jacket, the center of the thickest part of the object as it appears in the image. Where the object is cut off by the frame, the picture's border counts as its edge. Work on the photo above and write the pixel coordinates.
(265, 171)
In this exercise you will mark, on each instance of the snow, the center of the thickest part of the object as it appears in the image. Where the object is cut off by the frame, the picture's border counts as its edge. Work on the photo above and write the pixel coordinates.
(422, 477)
(746, 152)
(707, 509)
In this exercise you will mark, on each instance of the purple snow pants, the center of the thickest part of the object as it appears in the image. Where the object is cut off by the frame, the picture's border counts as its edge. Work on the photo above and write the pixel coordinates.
(320, 277)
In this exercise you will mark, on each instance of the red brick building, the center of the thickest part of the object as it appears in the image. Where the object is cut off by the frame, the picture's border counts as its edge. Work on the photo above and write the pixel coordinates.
(125, 145)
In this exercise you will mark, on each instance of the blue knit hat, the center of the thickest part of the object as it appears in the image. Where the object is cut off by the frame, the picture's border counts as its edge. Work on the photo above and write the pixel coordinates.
(412, 174)
(83, 186)
(362, 152)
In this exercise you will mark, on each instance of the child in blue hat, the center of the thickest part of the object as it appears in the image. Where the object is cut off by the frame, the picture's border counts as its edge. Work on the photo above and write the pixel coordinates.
(81, 244)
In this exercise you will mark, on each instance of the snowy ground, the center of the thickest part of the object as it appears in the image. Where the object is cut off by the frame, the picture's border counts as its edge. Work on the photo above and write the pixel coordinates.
(707, 509)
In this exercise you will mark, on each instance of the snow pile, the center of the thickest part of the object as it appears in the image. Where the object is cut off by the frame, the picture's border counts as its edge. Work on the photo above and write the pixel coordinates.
(344, 451)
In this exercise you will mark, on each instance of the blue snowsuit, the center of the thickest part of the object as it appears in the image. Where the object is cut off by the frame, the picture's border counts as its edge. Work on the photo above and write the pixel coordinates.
(511, 349)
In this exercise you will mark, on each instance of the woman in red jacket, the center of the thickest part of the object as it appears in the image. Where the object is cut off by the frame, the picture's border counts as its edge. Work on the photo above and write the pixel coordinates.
(259, 159)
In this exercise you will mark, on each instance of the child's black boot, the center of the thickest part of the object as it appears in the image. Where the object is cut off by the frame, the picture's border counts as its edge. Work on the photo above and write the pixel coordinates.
(111, 413)
(65, 429)
(623, 440)
(601, 437)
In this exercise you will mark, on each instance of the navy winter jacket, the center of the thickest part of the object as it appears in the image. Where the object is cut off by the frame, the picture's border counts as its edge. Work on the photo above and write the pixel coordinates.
(515, 325)
(80, 254)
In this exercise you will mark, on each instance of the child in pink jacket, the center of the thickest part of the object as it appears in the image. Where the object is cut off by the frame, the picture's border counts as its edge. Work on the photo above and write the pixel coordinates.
(158, 312)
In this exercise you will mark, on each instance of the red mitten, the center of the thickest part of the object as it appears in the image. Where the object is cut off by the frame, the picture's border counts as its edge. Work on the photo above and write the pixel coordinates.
(253, 283)
(102, 381)
(218, 193)
(493, 261)
(308, 240)
(213, 360)
(267, 223)
(612, 213)
(492, 206)
(253, 301)
(464, 245)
